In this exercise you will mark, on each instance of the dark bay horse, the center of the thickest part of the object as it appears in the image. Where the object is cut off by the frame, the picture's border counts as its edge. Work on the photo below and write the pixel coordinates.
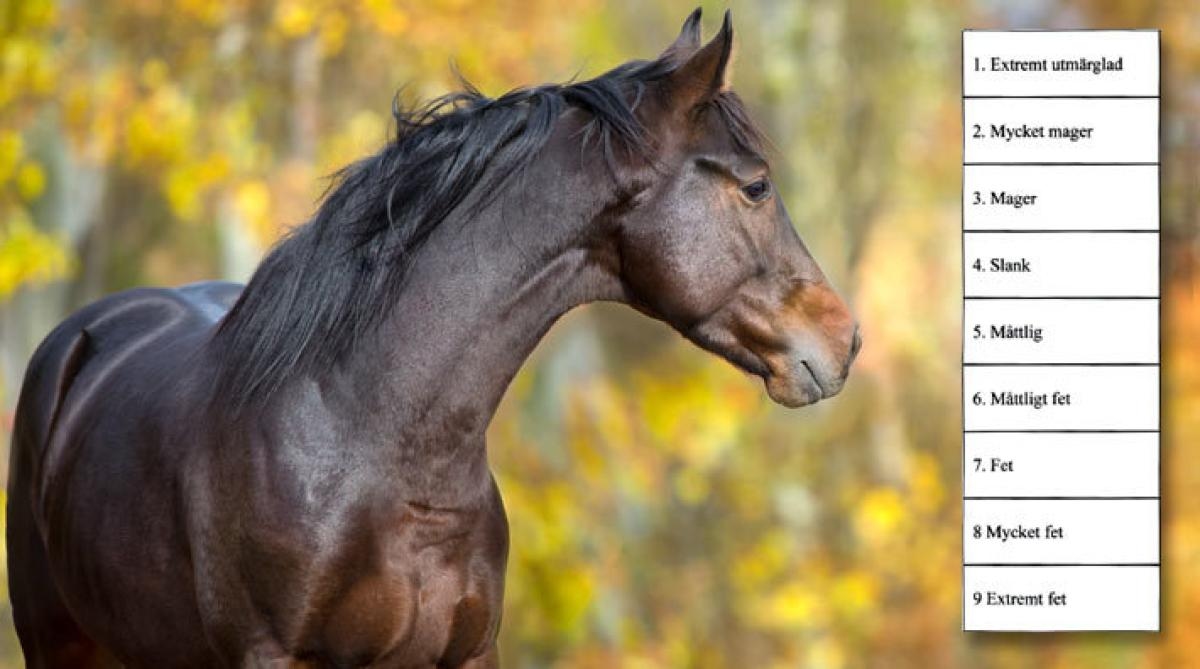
(293, 473)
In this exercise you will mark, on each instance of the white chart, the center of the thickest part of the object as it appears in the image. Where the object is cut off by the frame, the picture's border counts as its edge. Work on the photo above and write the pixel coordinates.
(1061, 353)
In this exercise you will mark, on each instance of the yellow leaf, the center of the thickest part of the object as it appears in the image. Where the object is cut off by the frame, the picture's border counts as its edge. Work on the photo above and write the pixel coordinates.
(294, 19)
(332, 33)
(879, 514)
(11, 150)
(253, 202)
(794, 605)
(154, 73)
(27, 256)
(31, 181)
(855, 593)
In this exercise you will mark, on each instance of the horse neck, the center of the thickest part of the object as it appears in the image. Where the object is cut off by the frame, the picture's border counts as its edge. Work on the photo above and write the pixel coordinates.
(480, 294)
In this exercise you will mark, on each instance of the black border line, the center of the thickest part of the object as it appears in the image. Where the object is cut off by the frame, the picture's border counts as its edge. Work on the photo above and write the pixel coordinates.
(1044, 498)
(1060, 164)
(1062, 97)
(1062, 297)
(1063, 564)
(1065, 231)
(1061, 432)
(1061, 364)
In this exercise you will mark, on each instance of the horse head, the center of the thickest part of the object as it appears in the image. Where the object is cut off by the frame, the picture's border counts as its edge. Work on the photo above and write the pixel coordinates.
(707, 245)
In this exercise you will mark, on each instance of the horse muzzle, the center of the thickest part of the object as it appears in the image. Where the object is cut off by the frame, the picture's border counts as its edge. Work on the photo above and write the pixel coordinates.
(808, 372)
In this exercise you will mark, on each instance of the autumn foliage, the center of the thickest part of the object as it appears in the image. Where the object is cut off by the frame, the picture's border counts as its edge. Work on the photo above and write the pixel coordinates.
(663, 512)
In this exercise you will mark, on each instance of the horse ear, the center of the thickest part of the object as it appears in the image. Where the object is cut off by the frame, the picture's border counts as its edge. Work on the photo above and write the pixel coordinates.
(706, 72)
(687, 42)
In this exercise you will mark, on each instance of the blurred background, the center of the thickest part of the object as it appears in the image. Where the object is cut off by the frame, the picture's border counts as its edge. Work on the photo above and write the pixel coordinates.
(663, 512)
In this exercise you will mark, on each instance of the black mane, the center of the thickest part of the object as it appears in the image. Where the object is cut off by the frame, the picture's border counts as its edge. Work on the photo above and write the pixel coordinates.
(332, 279)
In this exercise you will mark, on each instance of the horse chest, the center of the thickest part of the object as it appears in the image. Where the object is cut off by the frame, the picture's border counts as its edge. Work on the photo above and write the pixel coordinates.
(416, 587)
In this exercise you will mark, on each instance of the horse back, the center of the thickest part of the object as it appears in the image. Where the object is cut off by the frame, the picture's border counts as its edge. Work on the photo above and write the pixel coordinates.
(89, 441)
(113, 327)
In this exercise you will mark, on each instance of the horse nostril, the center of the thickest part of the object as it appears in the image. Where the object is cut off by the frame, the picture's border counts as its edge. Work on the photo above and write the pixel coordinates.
(855, 345)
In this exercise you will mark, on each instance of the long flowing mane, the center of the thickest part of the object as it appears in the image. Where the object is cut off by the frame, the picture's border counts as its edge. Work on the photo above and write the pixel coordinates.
(334, 278)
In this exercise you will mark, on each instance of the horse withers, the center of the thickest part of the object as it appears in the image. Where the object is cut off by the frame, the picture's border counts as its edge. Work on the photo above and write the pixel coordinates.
(293, 473)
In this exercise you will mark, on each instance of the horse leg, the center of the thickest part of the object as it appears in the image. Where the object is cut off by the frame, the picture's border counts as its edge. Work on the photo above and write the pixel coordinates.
(50, 637)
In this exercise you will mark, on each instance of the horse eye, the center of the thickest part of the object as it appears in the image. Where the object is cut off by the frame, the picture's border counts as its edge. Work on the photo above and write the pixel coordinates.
(757, 191)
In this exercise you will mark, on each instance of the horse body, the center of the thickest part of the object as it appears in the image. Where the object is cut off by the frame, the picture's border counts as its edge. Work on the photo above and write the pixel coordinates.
(294, 473)
(93, 500)
(156, 533)
(364, 487)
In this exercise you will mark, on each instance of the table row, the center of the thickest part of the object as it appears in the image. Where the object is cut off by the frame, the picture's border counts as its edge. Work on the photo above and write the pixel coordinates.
(1060, 464)
(1040, 63)
(1015, 131)
(1038, 599)
(1060, 531)
(1060, 197)
(1021, 331)
(1052, 398)
(1060, 264)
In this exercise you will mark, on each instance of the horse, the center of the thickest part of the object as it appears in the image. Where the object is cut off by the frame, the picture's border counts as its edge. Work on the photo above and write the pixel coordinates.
(294, 472)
